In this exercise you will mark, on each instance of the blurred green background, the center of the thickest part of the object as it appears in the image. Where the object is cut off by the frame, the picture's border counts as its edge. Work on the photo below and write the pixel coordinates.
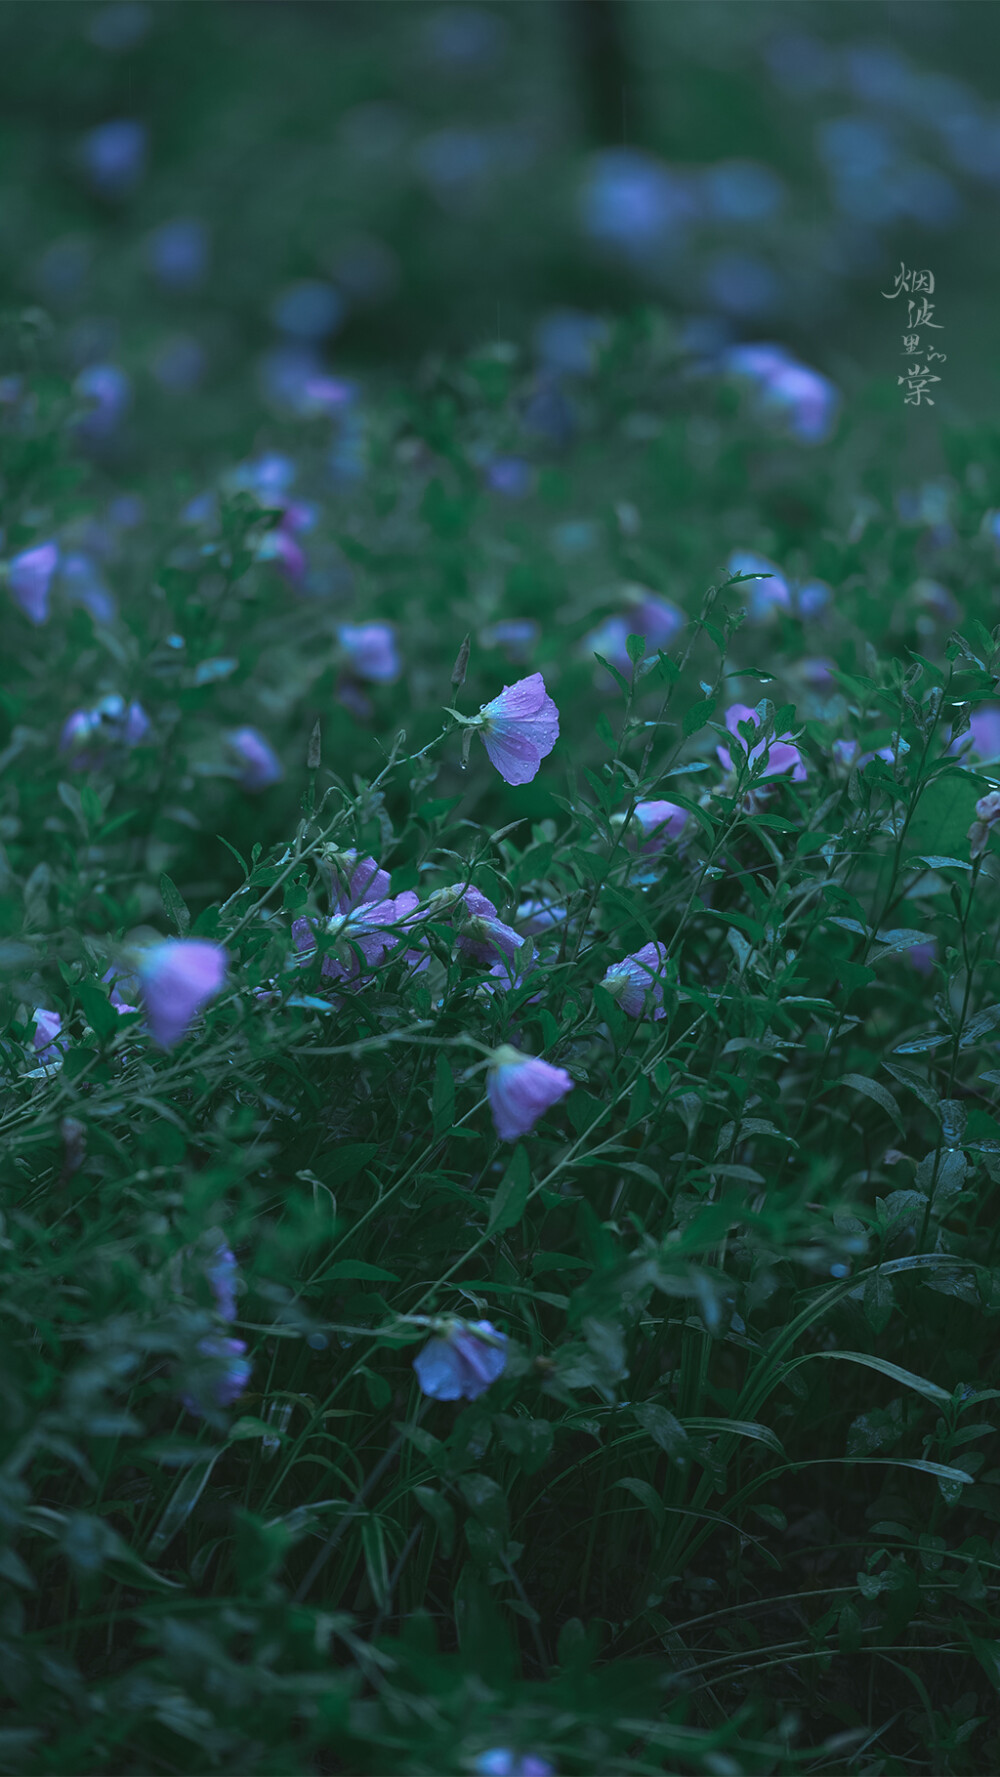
(215, 196)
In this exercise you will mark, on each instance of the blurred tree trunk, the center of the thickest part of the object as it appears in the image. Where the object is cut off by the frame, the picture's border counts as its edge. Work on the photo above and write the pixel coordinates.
(598, 34)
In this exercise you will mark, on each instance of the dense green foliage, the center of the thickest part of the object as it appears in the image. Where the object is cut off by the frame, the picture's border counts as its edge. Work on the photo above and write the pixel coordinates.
(733, 1504)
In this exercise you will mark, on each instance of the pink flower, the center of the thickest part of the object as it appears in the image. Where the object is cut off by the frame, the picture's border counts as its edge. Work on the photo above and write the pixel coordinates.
(521, 1088)
(780, 755)
(177, 978)
(636, 982)
(462, 1362)
(519, 728)
(482, 935)
(29, 577)
(260, 763)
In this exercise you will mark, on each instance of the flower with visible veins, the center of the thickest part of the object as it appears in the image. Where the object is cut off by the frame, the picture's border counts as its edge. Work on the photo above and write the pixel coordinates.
(518, 728)
(637, 982)
(521, 1088)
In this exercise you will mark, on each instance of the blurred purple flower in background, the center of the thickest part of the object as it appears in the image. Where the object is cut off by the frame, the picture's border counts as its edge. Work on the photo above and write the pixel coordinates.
(221, 1271)
(177, 253)
(741, 191)
(113, 157)
(521, 1088)
(370, 650)
(500, 1761)
(632, 203)
(260, 764)
(569, 341)
(510, 476)
(308, 311)
(519, 728)
(765, 596)
(29, 579)
(88, 735)
(636, 982)
(220, 1378)
(779, 754)
(786, 394)
(108, 393)
(515, 635)
(177, 978)
(81, 583)
(462, 1361)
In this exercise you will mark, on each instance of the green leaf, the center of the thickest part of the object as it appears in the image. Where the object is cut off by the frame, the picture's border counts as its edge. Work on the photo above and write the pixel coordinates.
(635, 647)
(511, 1194)
(698, 715)
(97, 1009)
(895, 1372)
(642, 1491)
(878, 1094)
(175, 905)
(360, 1270)
(181, 1504)
(346, 1162)
(443, 1104)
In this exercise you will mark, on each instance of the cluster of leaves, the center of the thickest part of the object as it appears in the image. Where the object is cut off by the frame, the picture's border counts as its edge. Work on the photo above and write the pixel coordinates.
(748, 1261)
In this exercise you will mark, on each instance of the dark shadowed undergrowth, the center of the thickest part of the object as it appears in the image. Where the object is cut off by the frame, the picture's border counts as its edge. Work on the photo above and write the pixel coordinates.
(716, 1486)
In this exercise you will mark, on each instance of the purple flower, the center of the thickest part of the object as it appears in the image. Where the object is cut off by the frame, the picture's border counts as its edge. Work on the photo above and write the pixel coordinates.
(82, 585)
(363, 921)
(636, 982)
(219, 1380)
(797, 400)
(48, 1042)
(515, 635)
(88, 734)
(519, 728)
(261, 766)
(113, 157)
(921, 957)
(803, 402)
(287, 554)
(779, 755)
(510, 476)
(177, 978)
(812, 598)
(177, 253)
(500, 1761)
(658, 822)
(108, 391)
(521, 1088)
(370, 649)
(221, 1271)
(538, 916)
(462, 1361)
(29, 577)
(121, 1006)
(765, 597)
(984, 733)
(482, 935)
